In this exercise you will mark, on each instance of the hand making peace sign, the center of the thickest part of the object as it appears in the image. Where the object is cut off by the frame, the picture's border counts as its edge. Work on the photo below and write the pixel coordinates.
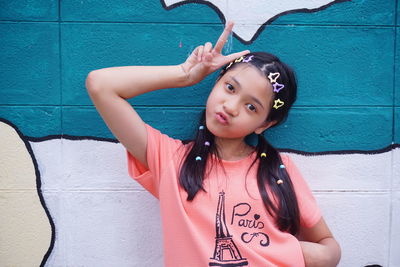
(204, 60)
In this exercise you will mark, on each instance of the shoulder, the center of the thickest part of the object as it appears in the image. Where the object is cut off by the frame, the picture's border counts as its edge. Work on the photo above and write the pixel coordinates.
(286, 159)
(291, 168)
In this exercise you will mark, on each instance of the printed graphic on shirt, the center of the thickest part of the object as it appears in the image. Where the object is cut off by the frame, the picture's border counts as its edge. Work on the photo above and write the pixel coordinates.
(226, 252)
(251, 225)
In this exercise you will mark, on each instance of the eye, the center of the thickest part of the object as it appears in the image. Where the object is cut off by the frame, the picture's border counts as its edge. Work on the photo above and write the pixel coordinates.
(230, 87)
(251, 107)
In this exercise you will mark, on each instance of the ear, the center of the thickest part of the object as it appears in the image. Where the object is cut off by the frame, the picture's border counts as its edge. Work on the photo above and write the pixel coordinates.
(264, 127)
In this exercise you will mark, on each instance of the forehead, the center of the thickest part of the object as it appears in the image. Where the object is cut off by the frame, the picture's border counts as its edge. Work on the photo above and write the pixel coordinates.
(251, 79)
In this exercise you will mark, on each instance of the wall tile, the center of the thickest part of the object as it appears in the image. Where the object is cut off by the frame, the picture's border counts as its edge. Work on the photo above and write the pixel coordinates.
(347, 172)
(85, 121)
(92, 46)
(127, 219)
(335, 66)
(396, 125)
(397, 69)
(29, 10)
(367, 12)
(330, 128)
(29, 63)
(111, 170)
(396, 169)
(49, 157)
(395, 231)
(135, 11)
(361, 228)
(307, 129)
(54, 205)
(33, 121)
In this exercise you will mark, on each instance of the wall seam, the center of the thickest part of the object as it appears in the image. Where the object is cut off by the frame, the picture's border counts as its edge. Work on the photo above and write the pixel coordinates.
(61, 149)
(389, 259)
(287, 24)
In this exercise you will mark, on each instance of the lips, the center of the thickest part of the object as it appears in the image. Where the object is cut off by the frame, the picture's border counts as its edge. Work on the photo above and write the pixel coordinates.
(222, 118)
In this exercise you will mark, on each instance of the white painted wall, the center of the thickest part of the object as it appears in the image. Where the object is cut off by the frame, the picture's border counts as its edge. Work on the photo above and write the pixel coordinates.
(104, 218)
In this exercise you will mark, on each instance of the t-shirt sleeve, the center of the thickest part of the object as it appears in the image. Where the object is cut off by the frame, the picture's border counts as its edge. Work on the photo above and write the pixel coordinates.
(310, 213)
(160, 154)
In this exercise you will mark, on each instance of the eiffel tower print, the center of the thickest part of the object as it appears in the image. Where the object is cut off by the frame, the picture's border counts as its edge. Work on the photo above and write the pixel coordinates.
(226, 252)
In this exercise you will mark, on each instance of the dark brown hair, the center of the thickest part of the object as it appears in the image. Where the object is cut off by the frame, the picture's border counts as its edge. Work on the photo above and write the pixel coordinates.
(192, 171)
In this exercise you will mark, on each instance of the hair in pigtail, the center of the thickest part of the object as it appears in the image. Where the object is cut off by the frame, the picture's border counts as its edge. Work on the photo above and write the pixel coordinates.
(194, 166)
(269, 172)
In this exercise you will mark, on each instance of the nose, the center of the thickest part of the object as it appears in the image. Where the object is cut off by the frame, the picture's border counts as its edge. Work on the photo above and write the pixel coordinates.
(231, 107)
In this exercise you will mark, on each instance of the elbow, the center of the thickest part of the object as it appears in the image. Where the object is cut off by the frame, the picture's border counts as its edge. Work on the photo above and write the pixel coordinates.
(335, 253)
(338, 253)
(92, 82)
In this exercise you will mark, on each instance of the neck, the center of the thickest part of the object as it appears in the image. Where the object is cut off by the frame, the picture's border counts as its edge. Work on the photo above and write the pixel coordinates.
(232, 149)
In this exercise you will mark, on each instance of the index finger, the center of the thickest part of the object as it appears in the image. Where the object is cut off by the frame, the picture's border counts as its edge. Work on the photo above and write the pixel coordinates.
(224, 37)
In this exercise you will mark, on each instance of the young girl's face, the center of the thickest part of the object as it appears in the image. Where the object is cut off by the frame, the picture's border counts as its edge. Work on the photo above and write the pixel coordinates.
(239, 103)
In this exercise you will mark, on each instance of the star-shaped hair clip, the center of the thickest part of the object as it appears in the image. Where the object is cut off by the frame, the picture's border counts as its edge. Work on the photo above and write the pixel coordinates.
(273, 76)
(248, 59)
(278, 103)
(238, 60)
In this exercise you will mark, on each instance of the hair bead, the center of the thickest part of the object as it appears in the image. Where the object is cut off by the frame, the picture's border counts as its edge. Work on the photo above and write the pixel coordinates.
(263, 155)
(282, 166)
(198, 158)
(280, 181)
(207, 143)
(201, 127)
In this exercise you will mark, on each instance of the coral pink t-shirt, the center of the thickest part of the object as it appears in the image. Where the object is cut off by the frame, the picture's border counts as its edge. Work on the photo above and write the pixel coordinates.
(228, 224)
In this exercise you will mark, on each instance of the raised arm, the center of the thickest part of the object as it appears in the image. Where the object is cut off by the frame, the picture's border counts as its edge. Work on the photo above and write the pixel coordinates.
(110, 87)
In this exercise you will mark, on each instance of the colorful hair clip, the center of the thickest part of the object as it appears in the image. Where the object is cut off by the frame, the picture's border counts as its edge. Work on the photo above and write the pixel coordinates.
(263, 155)
(278, 103)
(230, 64)
(277, 87)
(273, 76)
(198, 158)
(248, 58)
(238, 60)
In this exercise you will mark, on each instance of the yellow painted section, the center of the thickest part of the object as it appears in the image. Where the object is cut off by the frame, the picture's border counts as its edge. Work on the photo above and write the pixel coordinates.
(25, 231)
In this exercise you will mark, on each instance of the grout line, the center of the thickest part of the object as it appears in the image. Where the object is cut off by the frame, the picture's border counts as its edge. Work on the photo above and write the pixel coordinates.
(393, 140)
(196, 106)
(60, 67)
(288, 24)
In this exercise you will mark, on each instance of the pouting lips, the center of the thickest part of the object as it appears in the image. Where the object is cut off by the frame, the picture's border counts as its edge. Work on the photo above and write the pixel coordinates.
(221, 118)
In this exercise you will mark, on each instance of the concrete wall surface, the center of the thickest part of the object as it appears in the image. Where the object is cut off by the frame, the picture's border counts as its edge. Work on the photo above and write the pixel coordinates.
(66, 198)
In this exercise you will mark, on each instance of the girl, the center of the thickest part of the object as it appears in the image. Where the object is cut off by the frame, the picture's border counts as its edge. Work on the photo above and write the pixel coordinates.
(223, 202)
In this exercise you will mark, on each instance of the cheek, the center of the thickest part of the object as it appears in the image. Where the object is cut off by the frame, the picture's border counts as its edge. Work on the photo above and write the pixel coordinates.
(212, 99)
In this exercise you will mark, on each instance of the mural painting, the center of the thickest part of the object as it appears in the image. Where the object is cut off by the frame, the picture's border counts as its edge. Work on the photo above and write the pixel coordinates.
(66, 197)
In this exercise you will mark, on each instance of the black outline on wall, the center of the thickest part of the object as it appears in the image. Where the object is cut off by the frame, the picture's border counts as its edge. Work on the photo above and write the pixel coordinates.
(27, 139)
(262, 27)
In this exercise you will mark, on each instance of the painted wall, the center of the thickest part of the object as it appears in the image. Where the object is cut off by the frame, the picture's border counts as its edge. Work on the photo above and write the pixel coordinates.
(65, 196)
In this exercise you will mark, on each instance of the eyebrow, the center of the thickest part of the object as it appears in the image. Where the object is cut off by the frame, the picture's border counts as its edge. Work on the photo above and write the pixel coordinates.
(252, 97)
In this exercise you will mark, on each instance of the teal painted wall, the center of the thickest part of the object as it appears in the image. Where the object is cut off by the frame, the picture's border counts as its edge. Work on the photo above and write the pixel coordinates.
(345, 56)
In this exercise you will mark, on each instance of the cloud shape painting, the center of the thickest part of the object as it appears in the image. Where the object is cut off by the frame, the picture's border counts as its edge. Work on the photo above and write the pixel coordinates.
(251, 16)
